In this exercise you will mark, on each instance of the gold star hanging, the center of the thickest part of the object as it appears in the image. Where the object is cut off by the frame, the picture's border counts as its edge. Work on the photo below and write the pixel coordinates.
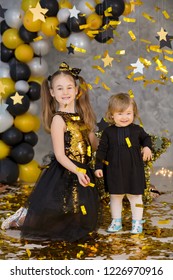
(38, 12)
(107, 60)
(17, 98)
(162, 34)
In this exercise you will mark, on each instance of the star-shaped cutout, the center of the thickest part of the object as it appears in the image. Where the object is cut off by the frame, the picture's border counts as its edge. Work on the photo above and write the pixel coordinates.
(38, 12)
(107, 60)
(70, 49)
(138, 67)
(74, 12)
(102, 125)
(162, 34)
(2, 11)
(166, 43)
(3, 108)
(17, 98)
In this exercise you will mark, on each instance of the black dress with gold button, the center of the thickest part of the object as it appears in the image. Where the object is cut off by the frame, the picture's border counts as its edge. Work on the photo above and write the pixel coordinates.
(59, 208)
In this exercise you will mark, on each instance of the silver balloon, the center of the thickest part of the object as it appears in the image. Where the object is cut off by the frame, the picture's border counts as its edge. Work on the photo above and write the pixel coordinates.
(85, 8)
(33, 108)
(13, 17)
(4, 72)
(22, 86)
(38, 66)
(63, 15)
(81, 41)
(41, 47)
(6, 119)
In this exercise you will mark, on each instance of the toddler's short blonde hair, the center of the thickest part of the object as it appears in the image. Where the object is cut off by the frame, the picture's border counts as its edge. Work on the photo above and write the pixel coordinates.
(119, 103)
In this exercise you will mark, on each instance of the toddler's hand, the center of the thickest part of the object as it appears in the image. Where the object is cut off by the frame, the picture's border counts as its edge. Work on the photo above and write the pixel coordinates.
(147, 154)
(99, 173)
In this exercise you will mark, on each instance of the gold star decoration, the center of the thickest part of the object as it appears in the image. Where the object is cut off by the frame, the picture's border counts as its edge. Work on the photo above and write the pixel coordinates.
(107, 60)
(132, 5)
(162, 34)
(17, 98)
(38, 12)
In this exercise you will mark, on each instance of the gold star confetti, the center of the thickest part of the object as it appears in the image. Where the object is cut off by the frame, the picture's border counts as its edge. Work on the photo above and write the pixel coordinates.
(107, 60)
(38, 12)
(17, 98)
(162, 34)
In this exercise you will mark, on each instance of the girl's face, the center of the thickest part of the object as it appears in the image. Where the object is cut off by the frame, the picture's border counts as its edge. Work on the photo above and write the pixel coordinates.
(64, 91)
(124, 118)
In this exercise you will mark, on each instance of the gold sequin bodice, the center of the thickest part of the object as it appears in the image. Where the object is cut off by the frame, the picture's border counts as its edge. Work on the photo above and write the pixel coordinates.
(77, 145)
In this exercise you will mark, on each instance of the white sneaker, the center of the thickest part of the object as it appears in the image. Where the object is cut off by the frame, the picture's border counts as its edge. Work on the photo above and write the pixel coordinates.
(13, 219)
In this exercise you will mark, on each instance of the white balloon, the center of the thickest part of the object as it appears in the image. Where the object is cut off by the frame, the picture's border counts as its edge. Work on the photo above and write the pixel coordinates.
(80, 40)
(4, 73)
(38, 66)
(83, 7)
(22, 86)
(6, 119)
(33, 108)
(4, 65)
(63, 15)
(13, 17)
(41, 47)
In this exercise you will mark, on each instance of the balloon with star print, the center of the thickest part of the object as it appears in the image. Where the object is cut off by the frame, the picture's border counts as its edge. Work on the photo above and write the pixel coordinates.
(18, 103)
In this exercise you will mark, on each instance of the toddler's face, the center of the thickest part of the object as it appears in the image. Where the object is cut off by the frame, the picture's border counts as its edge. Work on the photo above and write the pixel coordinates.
(124, 118)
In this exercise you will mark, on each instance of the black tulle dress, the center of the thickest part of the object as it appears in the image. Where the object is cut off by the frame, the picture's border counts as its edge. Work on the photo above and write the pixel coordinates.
(119, 156)
(59, 208)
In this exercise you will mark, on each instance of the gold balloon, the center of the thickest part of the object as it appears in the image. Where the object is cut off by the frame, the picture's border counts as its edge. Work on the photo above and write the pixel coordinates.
(5, 150)
(27, 4)
(29, 172)
(25, 122)
(29, 24)
(8, 85)
(49, 26)
(127, 9)
(38, 80)
(24, 53)
(11, 38)
(60, 43)
(36, 123)
(94, 21)
(65, 4)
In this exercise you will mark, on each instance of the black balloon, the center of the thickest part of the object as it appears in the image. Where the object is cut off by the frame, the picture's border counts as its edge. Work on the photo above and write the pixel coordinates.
(104, 35)
(34, 91)
(106, 20)
(73, 23)
(62, 30)
(20, 107)
(117, 6)
(3, 26)
(19, 70)
(26, 35)
(31, 138)
(22, 153)
(51, 5)
(12, 136)
(6, 54)
(9, 171)
(99, 9)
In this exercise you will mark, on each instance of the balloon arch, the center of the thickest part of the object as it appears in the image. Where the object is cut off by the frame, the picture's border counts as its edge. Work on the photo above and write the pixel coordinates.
(27, 36)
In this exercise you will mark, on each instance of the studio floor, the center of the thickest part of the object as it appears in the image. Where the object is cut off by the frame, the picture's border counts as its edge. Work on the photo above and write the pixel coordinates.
(155, 243)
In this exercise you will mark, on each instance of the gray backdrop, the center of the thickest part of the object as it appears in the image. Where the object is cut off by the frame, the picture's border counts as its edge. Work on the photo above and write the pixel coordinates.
(155, 101)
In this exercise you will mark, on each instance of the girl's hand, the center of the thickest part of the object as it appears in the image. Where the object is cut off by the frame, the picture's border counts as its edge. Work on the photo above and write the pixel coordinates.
(84, 180)
(99, 173)
(147, 154)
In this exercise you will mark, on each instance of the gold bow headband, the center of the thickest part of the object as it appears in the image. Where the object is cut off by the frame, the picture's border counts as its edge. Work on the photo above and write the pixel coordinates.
(65, 67)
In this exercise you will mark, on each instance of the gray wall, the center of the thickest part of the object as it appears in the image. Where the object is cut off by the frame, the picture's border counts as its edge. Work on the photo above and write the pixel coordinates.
(155, 101)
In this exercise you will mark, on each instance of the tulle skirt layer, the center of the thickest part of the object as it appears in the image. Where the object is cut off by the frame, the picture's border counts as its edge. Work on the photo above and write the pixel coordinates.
(59, 208)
